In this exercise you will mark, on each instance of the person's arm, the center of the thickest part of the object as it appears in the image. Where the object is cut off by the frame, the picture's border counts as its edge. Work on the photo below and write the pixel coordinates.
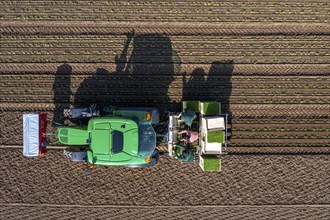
(183, 132)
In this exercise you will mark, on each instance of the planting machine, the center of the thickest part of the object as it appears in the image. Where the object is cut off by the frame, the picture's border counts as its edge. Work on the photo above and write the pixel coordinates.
(130, 136)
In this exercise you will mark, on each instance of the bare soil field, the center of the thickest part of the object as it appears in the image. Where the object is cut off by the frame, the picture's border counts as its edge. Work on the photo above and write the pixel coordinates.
(289, 184)
(266, 61)
(155, 212)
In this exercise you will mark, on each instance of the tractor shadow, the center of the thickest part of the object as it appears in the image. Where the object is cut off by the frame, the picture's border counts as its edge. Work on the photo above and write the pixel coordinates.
(62, 91)
(144, 70)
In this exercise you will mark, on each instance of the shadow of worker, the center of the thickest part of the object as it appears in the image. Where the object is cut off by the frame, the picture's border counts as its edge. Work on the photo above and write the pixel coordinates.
(62, 92)
(219, 84)
(194, 87)
(151, 68)
(215, 86)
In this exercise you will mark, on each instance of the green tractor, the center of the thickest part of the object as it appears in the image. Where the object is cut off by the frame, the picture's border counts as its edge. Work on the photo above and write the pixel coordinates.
(119, 137)
(127, 137)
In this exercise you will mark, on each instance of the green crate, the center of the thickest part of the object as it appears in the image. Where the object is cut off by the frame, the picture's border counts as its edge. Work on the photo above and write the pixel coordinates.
(191, 105)
(216, 137)
(210, 163)
(210, 108)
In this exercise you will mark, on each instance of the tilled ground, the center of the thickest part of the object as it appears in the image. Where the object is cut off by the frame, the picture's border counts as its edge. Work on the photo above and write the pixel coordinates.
(168, 212)
(303, 11)
(267, 62)
(55, 183)
(245, 180)
(272, 78)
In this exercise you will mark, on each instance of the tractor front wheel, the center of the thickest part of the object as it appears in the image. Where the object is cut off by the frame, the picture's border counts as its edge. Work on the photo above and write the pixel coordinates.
(154, 158)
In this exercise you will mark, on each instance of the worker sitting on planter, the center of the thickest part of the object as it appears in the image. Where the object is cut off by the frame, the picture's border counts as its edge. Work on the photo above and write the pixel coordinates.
(191, 136)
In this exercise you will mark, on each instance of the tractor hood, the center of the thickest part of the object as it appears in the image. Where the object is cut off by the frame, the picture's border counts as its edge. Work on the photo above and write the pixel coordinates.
(131, 140)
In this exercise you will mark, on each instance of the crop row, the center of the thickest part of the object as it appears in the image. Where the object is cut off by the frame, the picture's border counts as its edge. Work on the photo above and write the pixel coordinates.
(114, 39)
(174, 3)
(271, 81)
(225, 89)
(280, 128)
(176, 93)
(276, 123)
(101, 59)
(108, 90)
(239, 122)
(201, 87)
(165, 18)
(192, 12)
(151, 41)
(252, 140)
(282, 141)
(241, 83)
(262, 111)
(167, 11)
(197, 46)
(279, 135)
(256, 112)
(163, 52)
(287, 130)
(260, 70)
(246, 143)
(105, 97)
(226, 86)
(163, 28)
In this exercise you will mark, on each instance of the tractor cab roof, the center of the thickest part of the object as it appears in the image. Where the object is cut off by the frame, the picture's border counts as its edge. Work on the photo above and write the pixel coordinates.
(111, 135)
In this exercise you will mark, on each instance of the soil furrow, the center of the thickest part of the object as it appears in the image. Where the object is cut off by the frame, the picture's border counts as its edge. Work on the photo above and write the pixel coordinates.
(239, 69)
(95, 97)
(242, 58)
(261, 178)
(167, 28)
(108, 79)
(46, 89)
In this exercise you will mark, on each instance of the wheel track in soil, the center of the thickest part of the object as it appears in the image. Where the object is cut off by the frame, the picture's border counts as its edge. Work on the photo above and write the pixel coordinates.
(164, 28)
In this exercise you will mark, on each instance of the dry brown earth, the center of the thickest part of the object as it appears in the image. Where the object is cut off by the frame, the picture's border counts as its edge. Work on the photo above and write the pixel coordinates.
(283, 185)
(266, 61)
